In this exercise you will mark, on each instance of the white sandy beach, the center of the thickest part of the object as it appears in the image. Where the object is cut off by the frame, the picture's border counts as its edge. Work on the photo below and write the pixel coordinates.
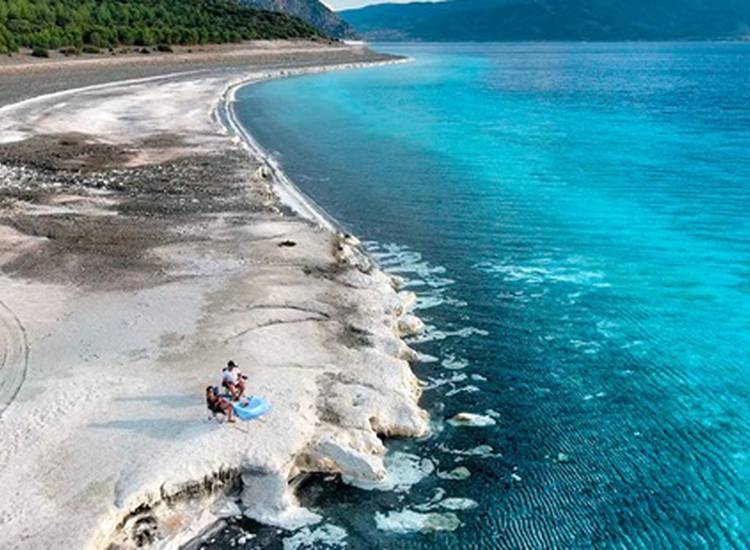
(102, 417)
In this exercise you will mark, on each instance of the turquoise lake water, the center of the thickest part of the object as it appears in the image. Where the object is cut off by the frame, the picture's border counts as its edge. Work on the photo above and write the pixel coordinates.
(576, 222)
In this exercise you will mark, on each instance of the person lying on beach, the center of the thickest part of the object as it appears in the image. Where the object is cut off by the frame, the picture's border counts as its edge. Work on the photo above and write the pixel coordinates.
(218, 405)
(233, 380)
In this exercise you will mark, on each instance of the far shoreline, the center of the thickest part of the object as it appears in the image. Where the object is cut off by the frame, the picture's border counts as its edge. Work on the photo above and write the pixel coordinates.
(24, 77)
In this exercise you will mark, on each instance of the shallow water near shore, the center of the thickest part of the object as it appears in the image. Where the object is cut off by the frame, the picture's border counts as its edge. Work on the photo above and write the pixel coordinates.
(574, 219)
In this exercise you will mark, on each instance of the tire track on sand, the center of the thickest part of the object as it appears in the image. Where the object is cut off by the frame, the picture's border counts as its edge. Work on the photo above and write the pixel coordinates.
(14, 356)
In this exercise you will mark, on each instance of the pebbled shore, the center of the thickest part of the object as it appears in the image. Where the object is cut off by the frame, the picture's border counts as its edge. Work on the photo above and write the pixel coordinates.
(23, 76)
(141, 246)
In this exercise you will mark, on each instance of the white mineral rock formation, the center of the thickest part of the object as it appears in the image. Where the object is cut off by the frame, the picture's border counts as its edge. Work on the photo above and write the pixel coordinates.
(472, 420)
(107, 441)
(410, 325)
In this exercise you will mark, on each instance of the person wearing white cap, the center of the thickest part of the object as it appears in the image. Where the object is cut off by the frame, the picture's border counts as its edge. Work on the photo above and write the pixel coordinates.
(233, 380)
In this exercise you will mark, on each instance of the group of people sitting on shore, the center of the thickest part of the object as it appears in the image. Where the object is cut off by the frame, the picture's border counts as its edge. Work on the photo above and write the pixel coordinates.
(233, 381)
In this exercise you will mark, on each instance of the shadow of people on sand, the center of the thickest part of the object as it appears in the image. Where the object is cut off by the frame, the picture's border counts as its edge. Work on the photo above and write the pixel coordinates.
(156, 428)
(173, 401)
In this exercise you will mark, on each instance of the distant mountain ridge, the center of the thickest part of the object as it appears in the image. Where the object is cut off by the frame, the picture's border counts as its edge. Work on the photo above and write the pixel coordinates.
(505, 20)
(313, 12)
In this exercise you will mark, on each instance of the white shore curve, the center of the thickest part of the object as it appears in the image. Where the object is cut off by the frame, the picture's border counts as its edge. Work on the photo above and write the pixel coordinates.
(286, 190)
(107, 436)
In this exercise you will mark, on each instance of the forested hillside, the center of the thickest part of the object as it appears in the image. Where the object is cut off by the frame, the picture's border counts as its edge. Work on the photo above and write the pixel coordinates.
(108, 23)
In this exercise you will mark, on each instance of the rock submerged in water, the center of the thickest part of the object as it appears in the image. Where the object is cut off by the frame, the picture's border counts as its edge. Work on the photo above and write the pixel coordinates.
(457, 504)
(461, 472)
(471, 420)
(409, 521)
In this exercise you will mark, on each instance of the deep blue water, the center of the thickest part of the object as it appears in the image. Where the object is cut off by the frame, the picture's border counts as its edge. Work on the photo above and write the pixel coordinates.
(576, 220)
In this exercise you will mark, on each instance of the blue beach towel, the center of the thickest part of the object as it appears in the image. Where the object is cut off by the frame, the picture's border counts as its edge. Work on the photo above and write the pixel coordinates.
(251, 407)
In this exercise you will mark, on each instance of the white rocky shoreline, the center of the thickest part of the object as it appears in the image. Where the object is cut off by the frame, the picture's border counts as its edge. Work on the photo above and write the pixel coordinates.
(106, 443)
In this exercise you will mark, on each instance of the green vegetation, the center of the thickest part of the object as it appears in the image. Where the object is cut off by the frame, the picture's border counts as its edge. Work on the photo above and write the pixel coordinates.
(55, 24)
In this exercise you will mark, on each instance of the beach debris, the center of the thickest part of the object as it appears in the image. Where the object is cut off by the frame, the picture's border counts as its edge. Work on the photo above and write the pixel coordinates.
(409, 521)
(471, 420)
(287, 244)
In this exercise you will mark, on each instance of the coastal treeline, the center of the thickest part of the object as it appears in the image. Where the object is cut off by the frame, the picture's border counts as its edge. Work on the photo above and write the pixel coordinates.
(109, 23)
